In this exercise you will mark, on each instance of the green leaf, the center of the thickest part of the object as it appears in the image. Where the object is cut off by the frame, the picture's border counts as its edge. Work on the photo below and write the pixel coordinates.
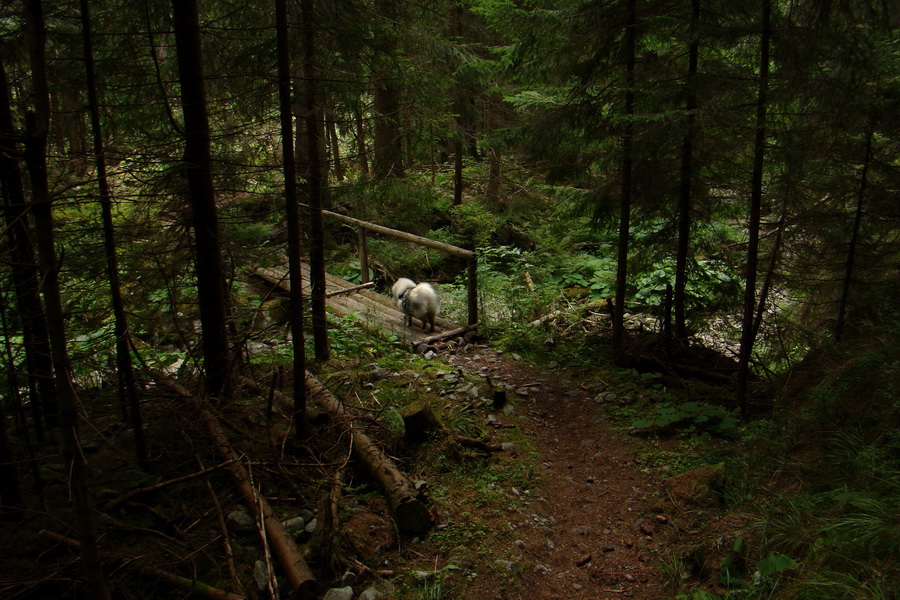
(775, 563)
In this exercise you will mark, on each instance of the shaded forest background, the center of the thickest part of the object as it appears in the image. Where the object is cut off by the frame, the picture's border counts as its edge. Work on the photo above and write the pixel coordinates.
(709, 173)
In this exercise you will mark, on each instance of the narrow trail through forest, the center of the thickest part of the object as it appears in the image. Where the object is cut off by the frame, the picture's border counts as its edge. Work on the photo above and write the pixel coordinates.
(592, 533)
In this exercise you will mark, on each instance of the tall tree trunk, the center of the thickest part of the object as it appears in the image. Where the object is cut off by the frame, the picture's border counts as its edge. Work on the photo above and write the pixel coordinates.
(457, 169)
(211, 286)
(770, 274)
(36, 159)
(493, 186)
(315, 185)
(854, 239)
(9, 478)
(335, 150)
(26, 278)
(625, 204)
(388, 140)
(295, 247)
(685, 192)
(362, 153)
(759, 149)
(10, 492)
(127, 385)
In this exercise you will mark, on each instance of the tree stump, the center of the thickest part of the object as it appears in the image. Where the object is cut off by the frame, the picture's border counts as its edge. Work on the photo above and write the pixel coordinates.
(419, 420)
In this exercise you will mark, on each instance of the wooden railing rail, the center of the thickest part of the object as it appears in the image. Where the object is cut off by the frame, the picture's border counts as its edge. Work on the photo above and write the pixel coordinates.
(469, 255)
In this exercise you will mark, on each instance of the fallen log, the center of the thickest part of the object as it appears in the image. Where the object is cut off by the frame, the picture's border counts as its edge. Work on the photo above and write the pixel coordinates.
(410, 512)
(447, 334)
(299, 575)
(297, 571)
(350, 290)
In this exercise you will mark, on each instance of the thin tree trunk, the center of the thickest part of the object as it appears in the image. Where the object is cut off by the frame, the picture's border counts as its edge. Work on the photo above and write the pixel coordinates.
(854, 239)
(388, 140)
(457, 170)
(625, 204)
(25, 275)
(684, 202)
(211, 286)
(759, 149)
(770, 274)
(127, 384)
(10, 492)
(315, 185)
(363, 154)
(8, 472)
(295, 246)
(493, 185)
(36, 159)
(335, 150)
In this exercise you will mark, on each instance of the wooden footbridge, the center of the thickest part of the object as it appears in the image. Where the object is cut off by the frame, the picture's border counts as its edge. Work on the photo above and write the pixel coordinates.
(376, 311)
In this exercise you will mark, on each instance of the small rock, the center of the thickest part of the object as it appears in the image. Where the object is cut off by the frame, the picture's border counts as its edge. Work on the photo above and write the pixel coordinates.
(240, 522)
(295, 525)
(260, 576)
(307, 515)
(509, 565)
(583, 560)
(542, 569)
(342, 593)
(371, 593)
(349, 579)
(516, 356)
(311, 526)
(577, 587)
(519, 544)
(630, 578)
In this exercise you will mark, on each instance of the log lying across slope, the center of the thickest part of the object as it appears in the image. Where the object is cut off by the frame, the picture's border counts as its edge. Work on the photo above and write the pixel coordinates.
(298, 573)
(410, 512)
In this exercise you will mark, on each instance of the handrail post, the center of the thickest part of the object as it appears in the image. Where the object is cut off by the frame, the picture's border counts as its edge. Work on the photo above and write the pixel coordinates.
(472, 288)
(363, 256)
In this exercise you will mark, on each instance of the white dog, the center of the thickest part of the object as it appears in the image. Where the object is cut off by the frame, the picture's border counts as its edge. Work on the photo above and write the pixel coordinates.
(422, 303)
(401, 286)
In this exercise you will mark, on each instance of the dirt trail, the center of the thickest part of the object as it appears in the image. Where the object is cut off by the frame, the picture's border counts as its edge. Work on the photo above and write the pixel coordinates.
(594, 535)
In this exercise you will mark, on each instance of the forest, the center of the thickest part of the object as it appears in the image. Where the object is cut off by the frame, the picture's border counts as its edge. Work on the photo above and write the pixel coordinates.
(663, 237)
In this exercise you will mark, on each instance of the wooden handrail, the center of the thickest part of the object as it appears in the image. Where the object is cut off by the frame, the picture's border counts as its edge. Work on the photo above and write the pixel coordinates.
(469, 255)
(410, 237)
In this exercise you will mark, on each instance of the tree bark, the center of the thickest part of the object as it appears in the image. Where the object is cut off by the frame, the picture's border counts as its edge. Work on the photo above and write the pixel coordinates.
(295, 244)
(410, 513)
(335, 150)
(36, 159)
(759, 150)
(618, 319)
(388, 139)
(211, 286)
(25, 275)
(125, 369)
(363, 154)
(685, 192)
(854, 239)
(315, 185)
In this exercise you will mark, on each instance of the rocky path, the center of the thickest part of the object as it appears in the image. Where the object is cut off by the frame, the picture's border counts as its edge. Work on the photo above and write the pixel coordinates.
(593, 532)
